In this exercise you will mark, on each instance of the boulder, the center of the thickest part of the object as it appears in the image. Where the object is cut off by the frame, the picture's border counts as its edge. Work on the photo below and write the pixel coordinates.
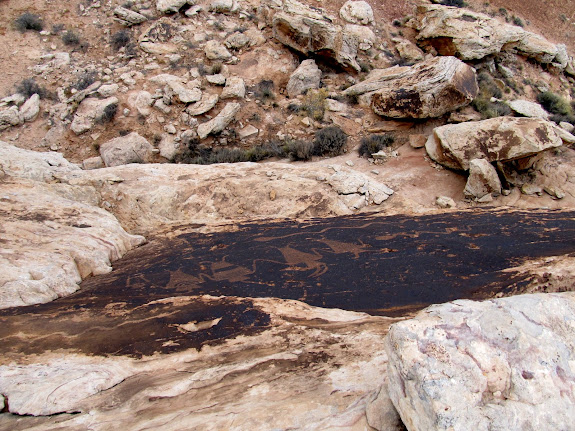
(529, 109)
(108, 90)
(220, 121)
(217, 79)
(472, 35)
(223, 6)
(237, 41)
(131, 148)
(170, 6)
(504, 364)
(482, 180)
(169, 148)
(307, 76)
(128, 17)
(312, 32)
(93, 163)
(408, 51)
(357, 12)
(31, 108)
(91, 111)
(10, 117)
(497, 139)
(428, 89)
(157, 38)
(185, 93)
(141, 101)
(216, 51)
(376, 79)
(235, 88)
(205, 104)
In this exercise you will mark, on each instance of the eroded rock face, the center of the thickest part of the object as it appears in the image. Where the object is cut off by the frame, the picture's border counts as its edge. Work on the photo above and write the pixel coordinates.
(131, 148)
(428, 89)
(472, 35)
(55, 234)
(499, 364)
(497, 139)
(313, 32)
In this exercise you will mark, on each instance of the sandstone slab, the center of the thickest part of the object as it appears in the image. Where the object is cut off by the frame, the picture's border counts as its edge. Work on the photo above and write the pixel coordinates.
(499, 364)
(497, 139)
(205, 104)
(472, 35)
(428, 89)
(90, 111)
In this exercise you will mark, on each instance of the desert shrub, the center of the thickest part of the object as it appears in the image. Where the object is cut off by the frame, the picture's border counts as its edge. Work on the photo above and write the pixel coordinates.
(70, 38)
(57, 28)
(300, 150)
(28, 87)
(314, 103)
(554, 103)
(29, 21)
(228, 155)
(483, 104)
(517, 21)
(456, 3)
(294, 108)
(265, 90)
(329, 141)
(85, 80)
(374, 143)
(216, 68)
(120, 39)
(109, 113)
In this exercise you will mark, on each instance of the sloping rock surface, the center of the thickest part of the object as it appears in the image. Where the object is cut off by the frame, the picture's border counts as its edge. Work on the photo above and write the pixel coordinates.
(472, 35)
(428, 89)
(499, 364)
(497, 139)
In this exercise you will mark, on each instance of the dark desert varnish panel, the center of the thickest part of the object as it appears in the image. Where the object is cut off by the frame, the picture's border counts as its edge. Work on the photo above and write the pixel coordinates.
(379, 265)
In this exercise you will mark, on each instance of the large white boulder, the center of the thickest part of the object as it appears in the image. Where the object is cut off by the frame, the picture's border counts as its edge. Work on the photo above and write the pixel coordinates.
(306, 77)
(122, 150)
(502, 364)
(357, 12)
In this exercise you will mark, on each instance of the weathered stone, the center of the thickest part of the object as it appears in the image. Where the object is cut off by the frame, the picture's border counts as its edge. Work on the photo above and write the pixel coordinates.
(31, 108)
(167, 6)
(169, 148)
(499, 364)
(376, 79)
(108, 90)
(248, 131)
(347, 183)
(91, 111)
(445, 202)
(307, 76)
(129, 17)
(131, 148)
(157, 38)
(223, 6)
(237, 41)
(93, 163)
(482, 180)
(497, 139)
(207, 102)
(10, 117)
(220, 121)
(141, 101)
(472, 35)
(417, 141)
(216, 51)
(217, 79)
(357, 12)
(526, 108)
(408, 51)
(428, 89)
(185, 93)
(310, 32)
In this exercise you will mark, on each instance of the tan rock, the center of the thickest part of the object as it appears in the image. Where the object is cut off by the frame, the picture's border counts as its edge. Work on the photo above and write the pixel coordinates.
(357, 12)
(428, 89)
(235, 88)
(502, 138)
(122, 150)
(482, 180)
(90, 111)
(220, 121)
(307, 76)
(205, 104)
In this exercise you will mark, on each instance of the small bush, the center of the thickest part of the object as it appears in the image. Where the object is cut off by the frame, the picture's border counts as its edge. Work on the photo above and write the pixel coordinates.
(120, 39)
(109, 113)
(300, 150)
(216, 68)
(329, 141)
(374, 143)
(517, 21)
(85, 80)
(57, 28)
(28, 87)
(265, 90)
(314, 104)
(556, 105)
(456, 3)
(70, 38)
(29, 21)
(489, 109)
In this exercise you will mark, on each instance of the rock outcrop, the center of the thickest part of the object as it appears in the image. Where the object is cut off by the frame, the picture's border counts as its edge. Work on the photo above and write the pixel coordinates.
(307, 76)
(122, 150)
(499, 364)
(91, 111)
(312, 32)
(482, 180)
(497, 139)
(55, 234)
(428, 89)
(472, 35)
